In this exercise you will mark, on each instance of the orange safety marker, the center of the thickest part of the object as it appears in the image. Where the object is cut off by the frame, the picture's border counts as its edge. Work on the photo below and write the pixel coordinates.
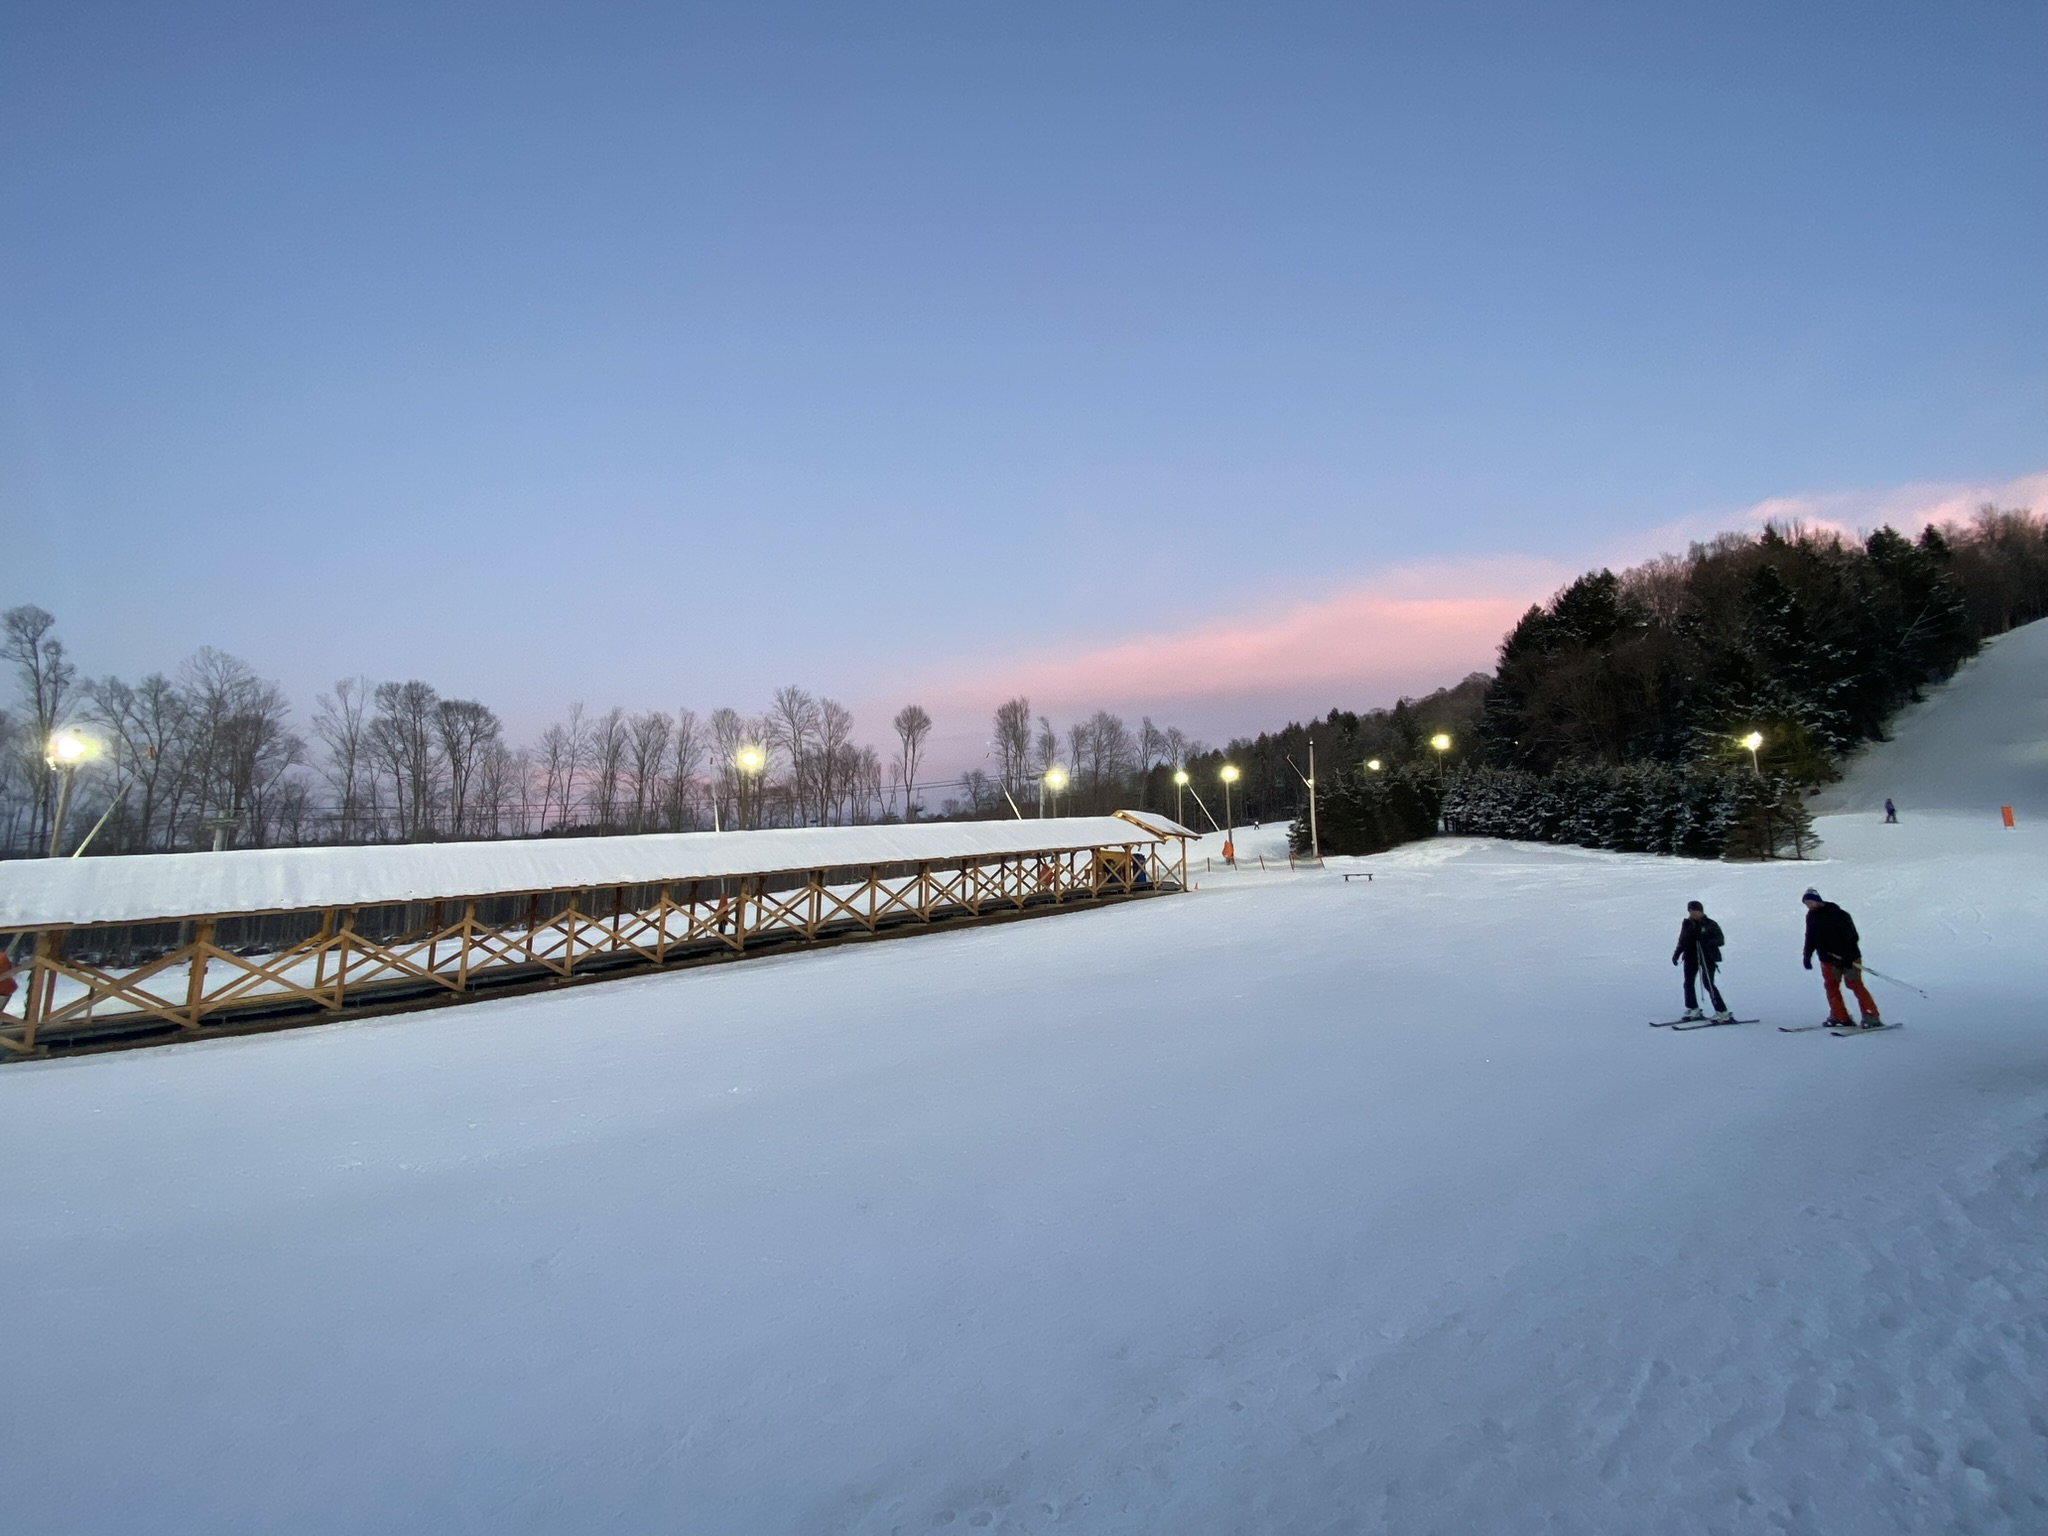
(2006, 812)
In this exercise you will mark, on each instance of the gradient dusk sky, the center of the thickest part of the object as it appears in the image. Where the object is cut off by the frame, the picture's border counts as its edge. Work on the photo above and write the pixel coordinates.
(1226, 362)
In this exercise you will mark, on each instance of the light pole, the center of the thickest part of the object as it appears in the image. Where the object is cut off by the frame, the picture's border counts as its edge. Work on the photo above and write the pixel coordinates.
(1315, 837)
(1229, 776)
(1308, 782)
(1752, 741)
(64, 752)
(1180, 782)
(751, 760)
(1055, 780)
(1442, 742)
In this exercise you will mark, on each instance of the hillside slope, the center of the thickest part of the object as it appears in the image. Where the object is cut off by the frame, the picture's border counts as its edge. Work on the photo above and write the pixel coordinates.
(1978, 742)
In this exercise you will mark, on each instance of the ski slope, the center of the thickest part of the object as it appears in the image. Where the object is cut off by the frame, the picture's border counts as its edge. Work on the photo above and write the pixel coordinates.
(1286, 1205)
(1973, 746)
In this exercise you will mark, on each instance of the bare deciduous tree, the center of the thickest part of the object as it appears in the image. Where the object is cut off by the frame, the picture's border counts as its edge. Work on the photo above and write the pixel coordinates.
(467, 730)
(792, 729)
(46, 681)
(405, 743)
(647, 743)
(731, 732)
(343, 725)
(686, 757)
(243, 741)
(610, 741)
(1013, 745)
(1047, 746)
(836, 759)
(913, 726)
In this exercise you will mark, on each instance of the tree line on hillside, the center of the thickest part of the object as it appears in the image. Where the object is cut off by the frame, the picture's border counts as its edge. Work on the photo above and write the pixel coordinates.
(1096, 765)
(1618, 713)
(210, 755)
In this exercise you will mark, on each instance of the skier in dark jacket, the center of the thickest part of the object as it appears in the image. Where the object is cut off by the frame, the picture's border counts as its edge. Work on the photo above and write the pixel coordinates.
(1699, 946)
(1831, 934)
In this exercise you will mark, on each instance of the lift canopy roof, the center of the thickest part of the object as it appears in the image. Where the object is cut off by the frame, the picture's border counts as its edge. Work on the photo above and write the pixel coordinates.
(145, 888)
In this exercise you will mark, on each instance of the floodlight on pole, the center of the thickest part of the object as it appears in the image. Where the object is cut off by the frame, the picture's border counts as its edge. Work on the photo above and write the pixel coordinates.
(1373, 763)
(1055, 780)
(750, 760)
(1442, 742)
(64, 751)
(1180, 783)
(1229, 777)
(1752, 741)
(1308, 782)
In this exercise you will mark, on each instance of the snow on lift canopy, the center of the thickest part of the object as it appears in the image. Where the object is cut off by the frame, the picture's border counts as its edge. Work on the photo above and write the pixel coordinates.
(163, 887)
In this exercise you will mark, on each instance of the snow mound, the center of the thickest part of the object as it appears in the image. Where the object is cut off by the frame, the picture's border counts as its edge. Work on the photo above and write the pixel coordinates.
(1978, 742)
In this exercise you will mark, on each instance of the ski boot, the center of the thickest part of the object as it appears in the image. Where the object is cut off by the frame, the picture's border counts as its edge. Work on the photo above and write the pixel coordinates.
(1690, 1014)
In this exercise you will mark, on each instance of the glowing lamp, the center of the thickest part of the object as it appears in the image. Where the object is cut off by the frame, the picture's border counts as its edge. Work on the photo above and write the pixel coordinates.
(66, 749)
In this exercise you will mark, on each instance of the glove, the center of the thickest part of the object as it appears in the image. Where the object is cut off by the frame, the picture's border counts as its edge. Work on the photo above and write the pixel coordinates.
(1807, 962)
(1674, 959)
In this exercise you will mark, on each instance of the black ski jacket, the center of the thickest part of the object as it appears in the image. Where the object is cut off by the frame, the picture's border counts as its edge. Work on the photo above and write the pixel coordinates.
(1831, 934)
(1700, 937)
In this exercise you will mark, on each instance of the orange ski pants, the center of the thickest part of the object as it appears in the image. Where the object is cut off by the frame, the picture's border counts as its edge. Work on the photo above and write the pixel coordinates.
(1832, 976)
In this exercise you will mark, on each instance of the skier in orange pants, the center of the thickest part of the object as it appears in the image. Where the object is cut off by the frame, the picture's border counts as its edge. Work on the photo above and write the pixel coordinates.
(1831, 934)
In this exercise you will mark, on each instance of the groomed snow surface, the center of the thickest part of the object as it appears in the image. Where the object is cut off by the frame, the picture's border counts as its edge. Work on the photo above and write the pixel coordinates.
(1285, 1205)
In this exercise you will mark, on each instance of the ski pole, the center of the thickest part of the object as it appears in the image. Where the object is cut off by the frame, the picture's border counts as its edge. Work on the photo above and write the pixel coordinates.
(1880, 975)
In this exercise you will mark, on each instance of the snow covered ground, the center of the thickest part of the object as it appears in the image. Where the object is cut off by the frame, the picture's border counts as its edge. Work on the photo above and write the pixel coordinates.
(1978, 744)
(1286, 1205)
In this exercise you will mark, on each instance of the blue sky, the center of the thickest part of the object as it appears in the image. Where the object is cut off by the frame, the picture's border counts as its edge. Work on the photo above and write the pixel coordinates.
(660, 355)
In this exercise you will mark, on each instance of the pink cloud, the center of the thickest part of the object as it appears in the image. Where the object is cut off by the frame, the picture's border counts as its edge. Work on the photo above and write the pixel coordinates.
(1402, 631)
(1855, 513)
(1399, 631)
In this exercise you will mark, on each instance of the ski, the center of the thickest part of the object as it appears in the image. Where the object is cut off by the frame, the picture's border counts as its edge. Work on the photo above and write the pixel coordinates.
(1709, 1024)
(1857, 1029)
(1804, 1029)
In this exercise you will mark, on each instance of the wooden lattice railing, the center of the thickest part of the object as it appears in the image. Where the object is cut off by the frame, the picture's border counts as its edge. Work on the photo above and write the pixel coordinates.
(97, 984)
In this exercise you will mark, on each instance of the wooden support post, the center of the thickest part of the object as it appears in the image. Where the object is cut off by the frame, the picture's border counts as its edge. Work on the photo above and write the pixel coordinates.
(468, 937)
(42, 984)
(195, 985)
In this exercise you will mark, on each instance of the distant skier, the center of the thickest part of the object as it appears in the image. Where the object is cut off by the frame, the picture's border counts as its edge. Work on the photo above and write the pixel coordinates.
(1699, 946)
(1891, 812)
(1831, 934)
